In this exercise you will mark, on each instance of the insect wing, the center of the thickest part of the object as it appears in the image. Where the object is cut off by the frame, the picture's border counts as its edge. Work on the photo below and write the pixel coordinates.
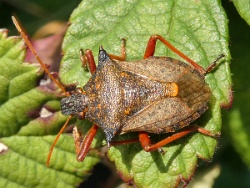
(166, 115)
(162, 69)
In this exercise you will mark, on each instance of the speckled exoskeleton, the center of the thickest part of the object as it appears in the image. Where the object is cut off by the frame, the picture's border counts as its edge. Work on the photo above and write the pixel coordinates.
(152, 95)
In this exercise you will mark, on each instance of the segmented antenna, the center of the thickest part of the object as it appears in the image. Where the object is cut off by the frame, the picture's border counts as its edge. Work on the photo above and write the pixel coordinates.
(36, 56)
(51, 77)
(56, 139)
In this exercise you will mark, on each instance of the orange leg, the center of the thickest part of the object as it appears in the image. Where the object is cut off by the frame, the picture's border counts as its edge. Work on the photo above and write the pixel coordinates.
(83, 144)
(147, 146)
(123, 52)
(150, 50)
(87, 58)
(121, 142)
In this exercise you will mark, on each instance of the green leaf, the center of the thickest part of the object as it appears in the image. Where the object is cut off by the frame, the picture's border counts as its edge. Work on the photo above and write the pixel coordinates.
(243, 7)
(29, 112)
(24, 163)
(198, 29)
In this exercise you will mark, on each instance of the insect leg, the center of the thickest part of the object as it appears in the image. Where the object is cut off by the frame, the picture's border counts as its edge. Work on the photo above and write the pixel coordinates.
(121, 142)
(213, 64)
(123, 52)
(150, 50)
(147, 146)
(83, 144)
(88, 60)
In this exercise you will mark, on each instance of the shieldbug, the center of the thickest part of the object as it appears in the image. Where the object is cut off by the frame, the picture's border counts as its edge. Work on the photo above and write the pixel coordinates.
(152, 95)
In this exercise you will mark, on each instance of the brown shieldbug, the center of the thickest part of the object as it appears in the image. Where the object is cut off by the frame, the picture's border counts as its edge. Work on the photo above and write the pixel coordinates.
(153, 95)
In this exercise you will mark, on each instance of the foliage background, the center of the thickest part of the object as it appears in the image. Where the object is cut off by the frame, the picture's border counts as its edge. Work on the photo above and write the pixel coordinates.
(232, 159)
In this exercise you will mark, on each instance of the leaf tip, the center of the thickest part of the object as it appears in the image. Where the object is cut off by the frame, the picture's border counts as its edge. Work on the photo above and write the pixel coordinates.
(229, 104)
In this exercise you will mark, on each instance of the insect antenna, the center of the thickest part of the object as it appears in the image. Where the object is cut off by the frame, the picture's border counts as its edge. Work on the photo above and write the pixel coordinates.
(22, 33)
(20, 30)
(56, 139)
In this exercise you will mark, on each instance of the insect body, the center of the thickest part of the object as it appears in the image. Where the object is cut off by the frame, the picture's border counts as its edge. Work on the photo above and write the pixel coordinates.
(153, 95)
(156, 95)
